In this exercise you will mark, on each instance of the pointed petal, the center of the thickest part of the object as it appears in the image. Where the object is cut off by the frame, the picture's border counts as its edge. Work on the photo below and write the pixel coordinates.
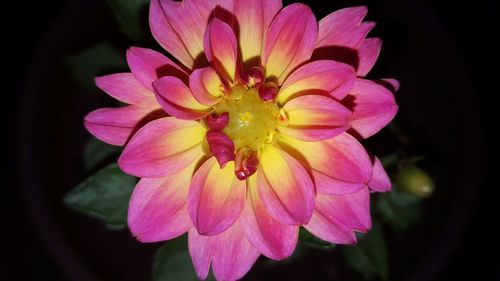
(148, 65)
(373, 107)
(176, 99)
(216, 197)
(125, 88)
(162, 147)
(380, 181)
(290, 41)
(231, 254)
(368, 54)
(165, 35)
(116, 125)
(158, 207)
(323, 76)
(340, 165)
(315, 118)
(221, 48)
(271, 237)
(284, 186)
(336, 216)
(205, 85)
(344, 28)
(254, 18)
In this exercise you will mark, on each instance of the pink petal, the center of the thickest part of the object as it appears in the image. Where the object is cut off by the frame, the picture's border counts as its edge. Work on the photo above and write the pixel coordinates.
(254, 18)
(163, 147)
(216, 197)
(323, 77)
(231, 254)
(148, 65)
(315, 118)
(221, 147)
(176, 99)
(335, 216)
(221, 48)
(380, 181)
(284, 186)
(290, 41)
(125, 88)
(205, 85)
(217, 122)
(189, 19)
(368, 53)
(344, 28)
(165, 35)
(116, 125)
(390, 83)
(271, 237)
(373, 107)
(340, 165)
(158, 207)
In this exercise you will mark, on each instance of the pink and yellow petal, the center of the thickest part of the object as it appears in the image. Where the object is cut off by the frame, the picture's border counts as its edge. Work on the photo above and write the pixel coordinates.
(125, 88)
(229, 252)
(206, 86)
(148, 65)
(158, 207)
(321, 77)
(221, 48)
(315, 118)
(289, 42)
(163, 147)
(216, 197)
(285, 187)
(339, 165)
(177, 100)
(272, 238)
(373, 107)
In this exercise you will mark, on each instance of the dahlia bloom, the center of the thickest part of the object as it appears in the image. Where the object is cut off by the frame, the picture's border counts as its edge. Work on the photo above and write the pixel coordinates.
(254, 135)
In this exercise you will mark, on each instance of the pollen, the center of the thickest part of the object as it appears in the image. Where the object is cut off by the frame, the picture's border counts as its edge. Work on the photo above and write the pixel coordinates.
(252, 122)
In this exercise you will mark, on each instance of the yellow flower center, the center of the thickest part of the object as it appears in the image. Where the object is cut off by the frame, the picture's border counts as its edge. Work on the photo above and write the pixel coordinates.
(252, 122)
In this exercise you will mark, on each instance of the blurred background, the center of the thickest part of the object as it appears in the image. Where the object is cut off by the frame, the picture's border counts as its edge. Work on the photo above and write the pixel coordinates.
(442, 52)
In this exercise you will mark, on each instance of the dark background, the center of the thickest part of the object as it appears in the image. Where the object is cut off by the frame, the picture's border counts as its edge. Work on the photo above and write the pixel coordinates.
(472, 26)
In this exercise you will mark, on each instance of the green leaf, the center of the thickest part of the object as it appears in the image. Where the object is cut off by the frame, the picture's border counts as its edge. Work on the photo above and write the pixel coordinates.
(399, 209)
(172, 262)
(369, 257)
(314, 242)
(93, 61)
(128, 15)
(104, 195)
(97, 151)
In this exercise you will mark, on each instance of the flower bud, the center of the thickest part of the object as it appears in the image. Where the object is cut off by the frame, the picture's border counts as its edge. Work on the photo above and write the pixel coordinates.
(416, 181)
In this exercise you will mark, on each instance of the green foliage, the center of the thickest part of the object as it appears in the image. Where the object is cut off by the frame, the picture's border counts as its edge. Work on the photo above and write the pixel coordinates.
(128, 15)
(399, 209)
(93, 61)
(96, 152)
(104, 195)
(311, 241)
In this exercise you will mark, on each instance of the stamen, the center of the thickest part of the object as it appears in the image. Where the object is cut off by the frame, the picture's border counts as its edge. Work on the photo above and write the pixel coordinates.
(282, 118)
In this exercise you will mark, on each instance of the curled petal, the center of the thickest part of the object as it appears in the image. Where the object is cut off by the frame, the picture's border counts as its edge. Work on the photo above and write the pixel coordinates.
(148, 65)
(373, 107)
(230, 253)
(216, 197)
(163, 147)
(324, 77)
(274, 239)
(380, 181)
(205, 85)
(336, 216)
(217, 123)
(116, 125)
(165, 35)
(289, 42)
(176, 99)
(285, 187)
(221, 48)
(368, 53)
(158, 207)
(125, 88)
(315, 118)
(221, 146)
(254, 18)
(340, 165)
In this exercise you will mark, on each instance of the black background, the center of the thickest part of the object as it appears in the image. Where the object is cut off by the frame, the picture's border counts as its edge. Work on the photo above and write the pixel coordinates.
(472, 25)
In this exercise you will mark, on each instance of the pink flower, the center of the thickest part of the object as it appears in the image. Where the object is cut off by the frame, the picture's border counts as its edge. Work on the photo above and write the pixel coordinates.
(262, 131)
